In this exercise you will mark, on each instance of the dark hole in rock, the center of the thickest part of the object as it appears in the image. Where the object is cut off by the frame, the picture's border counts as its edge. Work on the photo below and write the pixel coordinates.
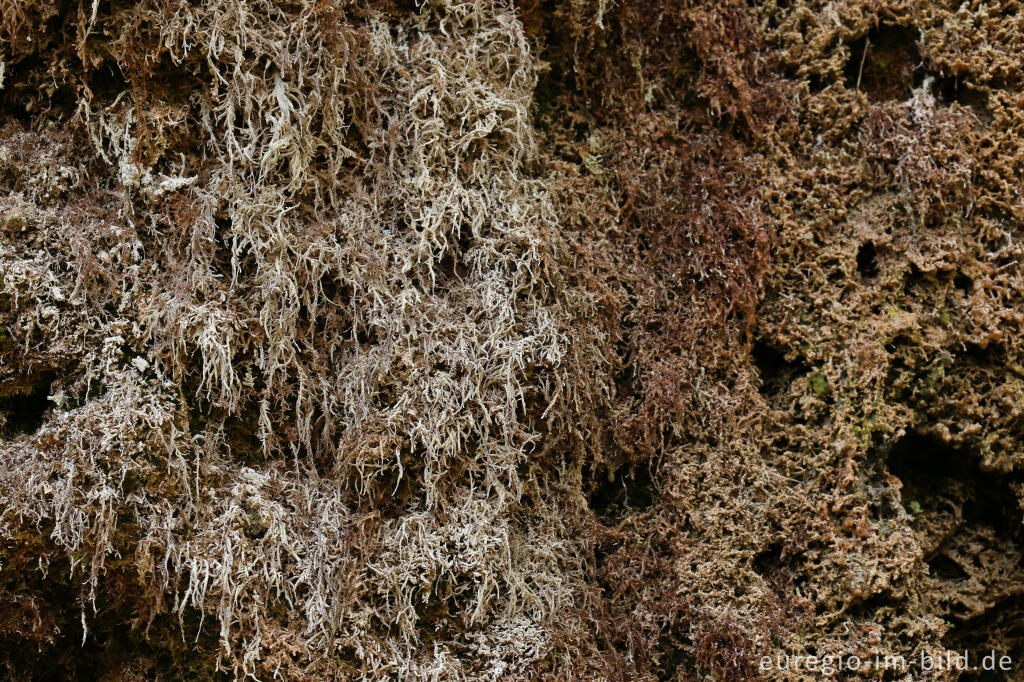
(865, 609)
(999, 631)
(867, 260)
(51, 644)
(28, 92)
(913, 279)
(222, 234)
(540, 19)
(954, 90)
(452, 267)
(776, 372)
(900, 342)
(233, 257)
(364, 336)
(815, 82)
(614, 494)
(882, 63)
(224, 253)
(678, 658)
(24, 412)
(625, 381)
(937, 476)
(941, 566)
(405, 7)
(963, 283)
(768, 562)
(17, 97)
(107, 82)
(625, 376)
(989, 354)
(928, 468)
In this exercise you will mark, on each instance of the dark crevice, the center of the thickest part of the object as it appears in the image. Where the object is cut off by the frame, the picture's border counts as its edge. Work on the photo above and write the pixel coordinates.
(107, 82)
(625, 381)
(938, 477)
(676, 657)
(24, 411)
(866, 609)
(987, 355)
(363, 335)
(998, 631)
(397, 491)
(941, 566)
(867, 260)
(769, 562)
(18, 98)
(42, 638)
(233, 256)
(913, 279)
(403, 8)
(900, 342)
(241, 434)
(776, 371)
(620, 491)
(451, 268)
(954, 90)
(963, 283)
(539, 17)
(883, 63)
(931, 469)
(438, 612)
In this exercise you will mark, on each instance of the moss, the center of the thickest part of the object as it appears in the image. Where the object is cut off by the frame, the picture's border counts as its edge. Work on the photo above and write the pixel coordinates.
(487, 341)
(820, 385)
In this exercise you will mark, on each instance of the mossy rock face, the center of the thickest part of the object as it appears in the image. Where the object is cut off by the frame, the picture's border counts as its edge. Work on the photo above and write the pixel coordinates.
(41, 624)
(564, 340)
(17, 220)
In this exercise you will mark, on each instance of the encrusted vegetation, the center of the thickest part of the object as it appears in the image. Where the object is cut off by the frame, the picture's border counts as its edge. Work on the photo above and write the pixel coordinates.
(564, 340)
